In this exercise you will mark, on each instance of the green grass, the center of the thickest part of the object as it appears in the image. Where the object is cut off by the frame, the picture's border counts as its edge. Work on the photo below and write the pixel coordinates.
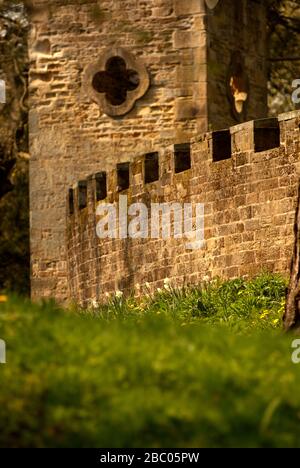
(205, 367)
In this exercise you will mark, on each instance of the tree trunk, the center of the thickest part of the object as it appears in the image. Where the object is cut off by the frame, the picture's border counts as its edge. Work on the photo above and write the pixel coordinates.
(291, 319)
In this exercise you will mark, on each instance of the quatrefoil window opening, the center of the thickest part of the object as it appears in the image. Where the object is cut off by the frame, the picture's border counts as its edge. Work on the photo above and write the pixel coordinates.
(116, 81)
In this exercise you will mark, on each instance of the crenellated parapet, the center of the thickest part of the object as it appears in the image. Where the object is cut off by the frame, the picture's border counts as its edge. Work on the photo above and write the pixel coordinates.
(246, 177)
(111, 81)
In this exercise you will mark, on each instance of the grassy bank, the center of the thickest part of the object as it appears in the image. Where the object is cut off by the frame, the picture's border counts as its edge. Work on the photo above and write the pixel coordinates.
(207, 367)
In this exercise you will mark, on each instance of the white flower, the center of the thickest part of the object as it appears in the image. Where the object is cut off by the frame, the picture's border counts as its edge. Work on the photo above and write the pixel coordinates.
(107, 294)
(93, 303)
(138, 286)
(206, 278)
(159, 290)
(167, 283)
(119, 294)
(147, 285)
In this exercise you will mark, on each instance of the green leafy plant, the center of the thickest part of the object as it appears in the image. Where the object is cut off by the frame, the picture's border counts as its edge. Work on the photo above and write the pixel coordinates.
(197, 367)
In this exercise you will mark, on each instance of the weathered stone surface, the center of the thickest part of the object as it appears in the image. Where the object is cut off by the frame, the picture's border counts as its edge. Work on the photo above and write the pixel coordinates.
(186, 51)
(188, 39)
(188, 7)
(249, 200)
(186, 109)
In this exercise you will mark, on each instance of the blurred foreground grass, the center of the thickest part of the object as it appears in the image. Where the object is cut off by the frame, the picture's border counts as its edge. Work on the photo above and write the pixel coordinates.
(205, 367)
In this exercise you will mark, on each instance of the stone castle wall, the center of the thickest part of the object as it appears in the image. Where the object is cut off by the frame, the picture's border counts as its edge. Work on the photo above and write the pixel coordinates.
(70, 135)
(236, 26)
(186, 50)
(247, 178)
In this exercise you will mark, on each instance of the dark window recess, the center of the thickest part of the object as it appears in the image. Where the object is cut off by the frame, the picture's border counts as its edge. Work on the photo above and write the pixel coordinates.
(182, 155)
(71, 201)
(266, 136)
(221, 145)
(123, 176)
(82, 194)
(151, 167)
(101, 188)
(116, 81)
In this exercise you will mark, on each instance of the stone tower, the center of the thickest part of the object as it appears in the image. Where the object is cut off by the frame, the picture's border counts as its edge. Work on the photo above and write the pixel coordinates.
(113, 79)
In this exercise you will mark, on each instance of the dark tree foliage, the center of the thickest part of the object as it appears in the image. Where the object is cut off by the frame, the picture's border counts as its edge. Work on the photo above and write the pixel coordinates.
(14, 235)
(284, 53)
(14, 71)
(14, 211)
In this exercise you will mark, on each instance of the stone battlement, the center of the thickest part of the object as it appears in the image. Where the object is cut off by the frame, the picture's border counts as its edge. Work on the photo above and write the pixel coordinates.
(247, 179)
(115, 80)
